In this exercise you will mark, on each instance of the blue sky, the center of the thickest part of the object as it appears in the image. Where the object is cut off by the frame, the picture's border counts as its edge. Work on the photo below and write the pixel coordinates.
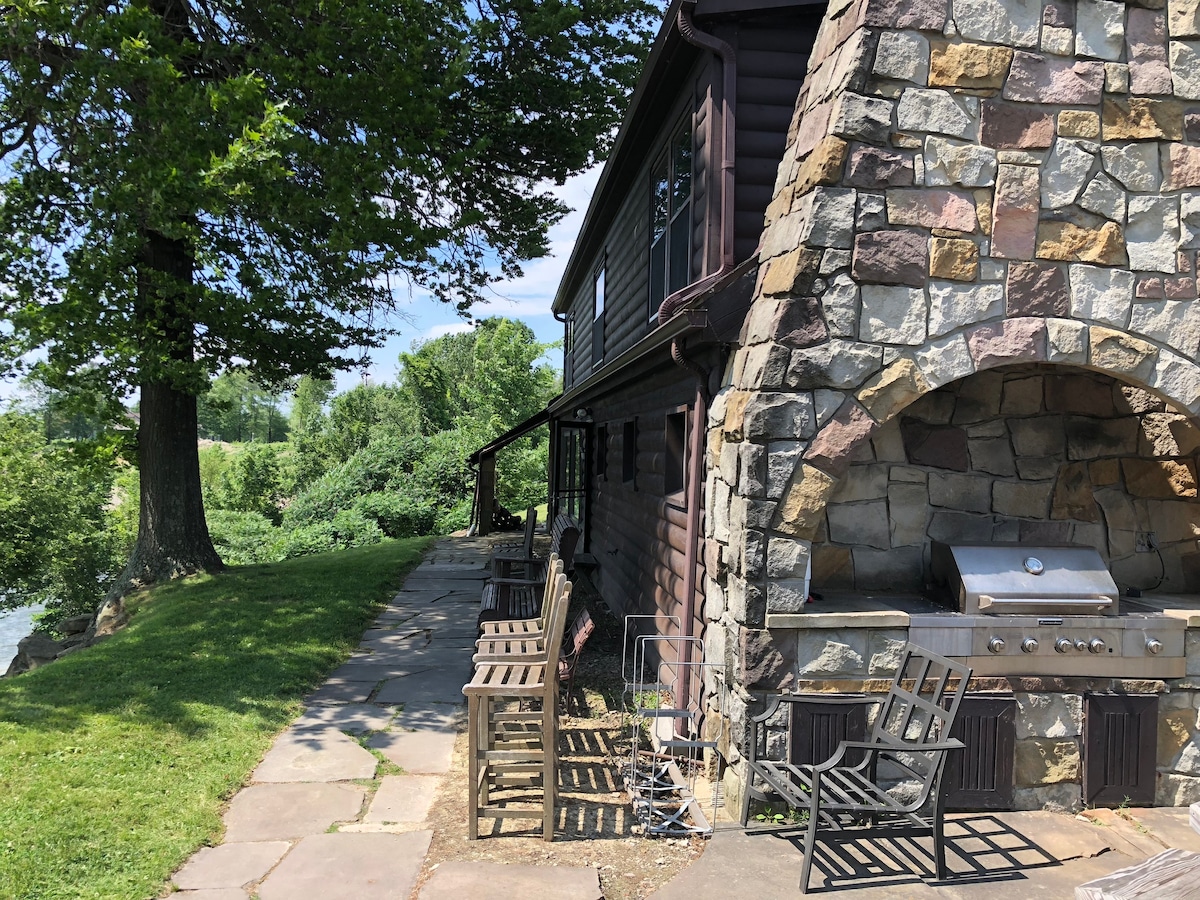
(527, 298)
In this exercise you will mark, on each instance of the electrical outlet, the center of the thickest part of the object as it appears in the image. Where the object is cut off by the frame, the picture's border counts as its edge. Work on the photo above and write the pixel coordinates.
(1145, 541)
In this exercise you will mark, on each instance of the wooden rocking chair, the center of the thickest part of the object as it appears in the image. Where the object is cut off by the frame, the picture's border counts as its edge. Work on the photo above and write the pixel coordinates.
(911, 739)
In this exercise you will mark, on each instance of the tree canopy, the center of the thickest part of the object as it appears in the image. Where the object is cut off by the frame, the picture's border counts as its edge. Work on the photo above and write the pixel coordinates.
(193, 185)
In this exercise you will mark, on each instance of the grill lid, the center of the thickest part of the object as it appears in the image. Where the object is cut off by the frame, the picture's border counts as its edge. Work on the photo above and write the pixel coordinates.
(1002, 579)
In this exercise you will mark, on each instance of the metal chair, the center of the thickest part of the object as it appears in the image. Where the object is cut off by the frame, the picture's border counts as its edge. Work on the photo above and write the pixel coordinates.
(847, 800)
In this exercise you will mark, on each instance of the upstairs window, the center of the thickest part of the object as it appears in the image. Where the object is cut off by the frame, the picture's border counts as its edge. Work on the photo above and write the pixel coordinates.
(670, 219)
(598, 316)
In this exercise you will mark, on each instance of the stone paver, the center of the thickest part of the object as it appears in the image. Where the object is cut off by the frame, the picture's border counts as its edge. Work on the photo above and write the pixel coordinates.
(437, 685)
(343, 691)
(352, 718)
(421, 716)
(270, 812)
(417, 752)
(402, 798)
(315, 754)
(216, 894)
(495, 881)
(229, 865)
(349, 867)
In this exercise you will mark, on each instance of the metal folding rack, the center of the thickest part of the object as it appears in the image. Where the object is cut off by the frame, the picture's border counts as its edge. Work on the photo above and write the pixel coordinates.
(661, 781)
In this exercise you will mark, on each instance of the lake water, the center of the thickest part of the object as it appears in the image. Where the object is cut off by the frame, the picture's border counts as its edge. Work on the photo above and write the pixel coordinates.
(14, 625)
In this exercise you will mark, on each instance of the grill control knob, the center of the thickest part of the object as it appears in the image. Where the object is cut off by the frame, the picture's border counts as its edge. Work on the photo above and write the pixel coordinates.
(1096, 645)
(1064, 645)
(1029, 645)
(1154, 645)
(1081, 645)
(996, 645)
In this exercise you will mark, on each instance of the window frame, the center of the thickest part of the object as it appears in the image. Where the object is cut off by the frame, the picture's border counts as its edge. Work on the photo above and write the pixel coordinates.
(599, 298)
(676, 421)
(677, 225)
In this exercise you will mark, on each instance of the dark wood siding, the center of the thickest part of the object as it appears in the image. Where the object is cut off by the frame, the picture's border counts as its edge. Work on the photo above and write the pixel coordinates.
(638, 533)
(772, 60)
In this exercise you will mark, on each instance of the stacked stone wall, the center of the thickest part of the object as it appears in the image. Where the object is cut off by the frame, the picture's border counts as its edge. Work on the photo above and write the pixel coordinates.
(967, 185)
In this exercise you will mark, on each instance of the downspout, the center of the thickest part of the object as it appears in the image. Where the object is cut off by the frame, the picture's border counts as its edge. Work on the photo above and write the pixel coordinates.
(672, 304)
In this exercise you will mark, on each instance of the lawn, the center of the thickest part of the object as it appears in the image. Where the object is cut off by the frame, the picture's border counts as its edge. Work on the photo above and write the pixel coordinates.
(115, 761)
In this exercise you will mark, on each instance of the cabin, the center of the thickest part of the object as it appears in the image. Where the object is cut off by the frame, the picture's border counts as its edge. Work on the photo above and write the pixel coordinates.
(876, 298)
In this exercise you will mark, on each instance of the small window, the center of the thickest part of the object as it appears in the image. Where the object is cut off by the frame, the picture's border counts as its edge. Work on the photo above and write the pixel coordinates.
(670, 219)
(598, 316)
(675, 476)
(629, 452)
(602, 452)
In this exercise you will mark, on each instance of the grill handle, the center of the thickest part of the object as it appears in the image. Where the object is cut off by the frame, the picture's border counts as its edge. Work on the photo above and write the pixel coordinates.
(1000, 603)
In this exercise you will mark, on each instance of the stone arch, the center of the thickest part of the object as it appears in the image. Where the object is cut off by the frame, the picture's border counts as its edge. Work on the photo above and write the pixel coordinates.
(1095, 347)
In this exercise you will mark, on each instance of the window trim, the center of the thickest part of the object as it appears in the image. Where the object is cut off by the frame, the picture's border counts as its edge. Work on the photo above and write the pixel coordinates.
(677, 216)
(599, 298)
(676, 496)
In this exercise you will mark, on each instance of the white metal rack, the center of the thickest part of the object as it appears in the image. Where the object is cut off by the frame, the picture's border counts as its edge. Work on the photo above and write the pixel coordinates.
(661, 673)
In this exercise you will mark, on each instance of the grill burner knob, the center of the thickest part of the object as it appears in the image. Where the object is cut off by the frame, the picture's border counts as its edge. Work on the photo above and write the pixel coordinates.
(996, 645)
(1096, 645)
(1081, 645)
(1154, 645)
(1029, 645)
(1064, 645)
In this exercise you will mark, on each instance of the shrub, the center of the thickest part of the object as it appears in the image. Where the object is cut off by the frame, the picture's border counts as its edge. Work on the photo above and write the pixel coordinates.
(398, 515)
(244, 538)
(349, 528)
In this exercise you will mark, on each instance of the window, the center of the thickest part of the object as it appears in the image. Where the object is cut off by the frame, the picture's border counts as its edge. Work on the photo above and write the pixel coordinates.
(629, 452)
(670, 219)
(602, 452)
(675, 441)
(598, 316)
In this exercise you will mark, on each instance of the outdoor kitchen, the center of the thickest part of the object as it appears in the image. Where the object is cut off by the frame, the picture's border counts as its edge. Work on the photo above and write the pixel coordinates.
(963, 408)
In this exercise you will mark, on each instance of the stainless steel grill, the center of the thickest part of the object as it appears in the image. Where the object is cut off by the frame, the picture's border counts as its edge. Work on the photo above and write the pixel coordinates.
(1012, 579)
(1038, 610)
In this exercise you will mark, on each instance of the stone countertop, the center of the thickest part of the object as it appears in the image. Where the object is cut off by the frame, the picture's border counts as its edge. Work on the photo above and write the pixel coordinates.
(1179, 606)
(839, 609)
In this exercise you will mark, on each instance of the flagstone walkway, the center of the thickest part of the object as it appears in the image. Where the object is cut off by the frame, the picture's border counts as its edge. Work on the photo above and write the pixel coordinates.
(316, 823)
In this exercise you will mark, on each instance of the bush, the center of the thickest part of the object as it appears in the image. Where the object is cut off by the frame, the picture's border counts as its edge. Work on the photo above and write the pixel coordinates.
(253, 483)
(348, 528)
(244, 538)
(398, 515)
(380, 467)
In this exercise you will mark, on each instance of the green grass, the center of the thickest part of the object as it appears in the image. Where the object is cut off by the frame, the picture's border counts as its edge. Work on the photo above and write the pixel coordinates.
(115, 762)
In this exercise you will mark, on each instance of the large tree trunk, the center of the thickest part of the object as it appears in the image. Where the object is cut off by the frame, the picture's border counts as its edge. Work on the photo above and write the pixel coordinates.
(173, 537)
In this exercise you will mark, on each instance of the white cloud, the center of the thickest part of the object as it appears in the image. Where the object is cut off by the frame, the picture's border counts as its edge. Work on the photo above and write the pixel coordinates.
(438, 331)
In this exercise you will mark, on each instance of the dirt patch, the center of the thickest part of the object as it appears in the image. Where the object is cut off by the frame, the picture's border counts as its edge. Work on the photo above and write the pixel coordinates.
(595, 822)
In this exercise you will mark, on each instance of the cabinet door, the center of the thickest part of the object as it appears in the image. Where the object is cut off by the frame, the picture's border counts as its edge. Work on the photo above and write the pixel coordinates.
(980, 776)
(1120, 748)
(819, 725)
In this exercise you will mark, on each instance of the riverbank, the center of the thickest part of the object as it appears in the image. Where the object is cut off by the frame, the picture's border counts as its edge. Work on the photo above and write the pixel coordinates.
(14, 625)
